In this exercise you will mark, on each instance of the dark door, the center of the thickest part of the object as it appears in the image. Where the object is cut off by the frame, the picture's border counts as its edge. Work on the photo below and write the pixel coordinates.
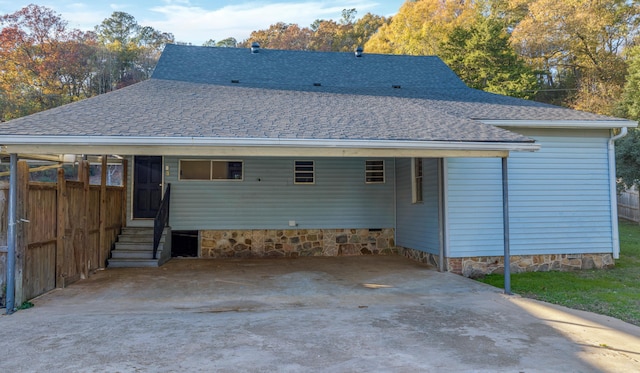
(147, 186)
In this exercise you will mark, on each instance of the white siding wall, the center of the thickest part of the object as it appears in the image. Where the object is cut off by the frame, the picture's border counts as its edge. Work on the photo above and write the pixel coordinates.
(339, 198)
(417, 224)
(559, 198)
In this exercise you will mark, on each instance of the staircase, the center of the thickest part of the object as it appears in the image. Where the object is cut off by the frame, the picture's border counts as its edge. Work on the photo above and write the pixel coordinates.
(134, 248)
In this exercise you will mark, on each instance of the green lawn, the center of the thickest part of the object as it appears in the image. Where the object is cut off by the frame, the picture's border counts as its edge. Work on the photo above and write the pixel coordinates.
(614, 292)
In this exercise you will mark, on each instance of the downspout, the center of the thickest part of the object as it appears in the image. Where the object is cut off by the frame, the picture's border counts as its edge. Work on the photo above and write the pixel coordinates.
(13, 234)
(613, 194)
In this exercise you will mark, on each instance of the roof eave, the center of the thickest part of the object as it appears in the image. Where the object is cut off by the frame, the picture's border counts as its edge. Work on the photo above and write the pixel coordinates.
(264, 147)
(562, 124)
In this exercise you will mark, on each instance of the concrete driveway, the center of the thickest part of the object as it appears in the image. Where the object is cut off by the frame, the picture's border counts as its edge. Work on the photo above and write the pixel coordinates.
(347, 314)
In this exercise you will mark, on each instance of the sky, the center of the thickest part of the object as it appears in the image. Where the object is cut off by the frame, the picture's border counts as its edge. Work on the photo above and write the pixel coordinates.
(196, 21)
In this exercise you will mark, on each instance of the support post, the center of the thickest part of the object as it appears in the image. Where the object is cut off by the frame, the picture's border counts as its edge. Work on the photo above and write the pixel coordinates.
(102, 247)
(12, 234)
(22, 229)
(85, 221)
(505, 224)
(441, 216)
(125, 184)
(61, 243)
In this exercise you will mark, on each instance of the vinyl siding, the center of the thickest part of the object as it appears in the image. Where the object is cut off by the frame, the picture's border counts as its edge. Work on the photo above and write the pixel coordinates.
(267, 198)
(417, 223)
(558, 198)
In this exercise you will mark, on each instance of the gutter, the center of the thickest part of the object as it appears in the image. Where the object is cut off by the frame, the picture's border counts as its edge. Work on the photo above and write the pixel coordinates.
(126, 141)
(613, 194)
(568, 124)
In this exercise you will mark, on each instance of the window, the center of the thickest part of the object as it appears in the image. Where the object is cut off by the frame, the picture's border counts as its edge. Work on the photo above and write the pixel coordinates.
(211, 170)
(304, 172)
(374, 172)
(416, 178)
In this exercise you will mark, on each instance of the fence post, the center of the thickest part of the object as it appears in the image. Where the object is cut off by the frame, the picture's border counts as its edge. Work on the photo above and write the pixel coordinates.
(61, 226)
(102, 246)
(22, 242)
(84, 273)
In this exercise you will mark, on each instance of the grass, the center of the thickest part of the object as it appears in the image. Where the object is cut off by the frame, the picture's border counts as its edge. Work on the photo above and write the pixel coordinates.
(614, 292)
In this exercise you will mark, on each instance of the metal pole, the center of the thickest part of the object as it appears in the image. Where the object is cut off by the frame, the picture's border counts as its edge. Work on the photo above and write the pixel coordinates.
(13, 234)
(505, 224)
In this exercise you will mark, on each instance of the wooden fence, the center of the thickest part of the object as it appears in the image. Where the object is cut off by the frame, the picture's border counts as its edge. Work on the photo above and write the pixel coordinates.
(65, 230)
(629, 205)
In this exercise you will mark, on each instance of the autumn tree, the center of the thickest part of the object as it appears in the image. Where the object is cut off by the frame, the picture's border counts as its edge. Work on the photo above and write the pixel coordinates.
(420, 27)
(581, 42)
(43, 64)
(322, 35)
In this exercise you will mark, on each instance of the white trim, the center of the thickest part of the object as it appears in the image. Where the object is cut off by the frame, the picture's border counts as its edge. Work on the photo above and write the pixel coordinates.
(132, 143)
(581, 124)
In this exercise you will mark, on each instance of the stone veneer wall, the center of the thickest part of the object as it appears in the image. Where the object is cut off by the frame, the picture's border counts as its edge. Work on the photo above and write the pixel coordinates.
(482, 265)
(296, 242)
(479, 266)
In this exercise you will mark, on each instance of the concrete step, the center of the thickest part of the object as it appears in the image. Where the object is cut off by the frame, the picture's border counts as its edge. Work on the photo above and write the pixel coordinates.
(137, 231)
(134, 245)
(137, 238)
(132, 254)
(132, 263)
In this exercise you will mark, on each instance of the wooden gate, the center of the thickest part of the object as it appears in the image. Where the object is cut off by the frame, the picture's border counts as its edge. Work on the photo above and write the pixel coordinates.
(65, 230)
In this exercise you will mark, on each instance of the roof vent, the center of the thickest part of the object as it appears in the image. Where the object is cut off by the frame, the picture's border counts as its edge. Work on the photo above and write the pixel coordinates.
(359, 51)
(255, 47)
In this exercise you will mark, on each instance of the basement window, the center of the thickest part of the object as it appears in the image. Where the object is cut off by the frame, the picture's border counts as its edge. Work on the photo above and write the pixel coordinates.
(217, 170)
(304, 172)
(416, 180)
(374, 172)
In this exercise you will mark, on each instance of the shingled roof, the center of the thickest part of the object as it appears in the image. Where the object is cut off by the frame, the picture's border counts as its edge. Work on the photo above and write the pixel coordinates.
(230, 95)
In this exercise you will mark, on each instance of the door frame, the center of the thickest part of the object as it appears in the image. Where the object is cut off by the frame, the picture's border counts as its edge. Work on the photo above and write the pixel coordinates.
(132, 184)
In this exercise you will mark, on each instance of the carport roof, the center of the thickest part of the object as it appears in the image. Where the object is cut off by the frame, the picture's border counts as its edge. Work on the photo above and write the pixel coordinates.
(227, 97)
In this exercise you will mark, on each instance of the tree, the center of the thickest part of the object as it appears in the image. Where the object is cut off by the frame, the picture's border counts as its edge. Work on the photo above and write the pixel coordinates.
(133, 49)
(43, 64)
(629, 106)
(420, 27)
(483, 58)
(281, 36)
(581, 40)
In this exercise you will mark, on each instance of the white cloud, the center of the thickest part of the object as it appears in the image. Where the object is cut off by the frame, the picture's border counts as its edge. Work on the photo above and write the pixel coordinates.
(197, 25)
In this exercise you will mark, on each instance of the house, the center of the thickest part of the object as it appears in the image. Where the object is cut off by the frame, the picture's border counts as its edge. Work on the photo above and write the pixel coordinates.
(285, 153)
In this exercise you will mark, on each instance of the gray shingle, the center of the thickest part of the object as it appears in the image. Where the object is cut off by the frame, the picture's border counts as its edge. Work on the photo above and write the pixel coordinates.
(191, 95)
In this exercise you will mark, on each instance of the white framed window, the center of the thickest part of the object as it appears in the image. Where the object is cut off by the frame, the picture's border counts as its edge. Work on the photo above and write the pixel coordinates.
(416, 180)
(216, 170)
(304, 172)
(374, 172)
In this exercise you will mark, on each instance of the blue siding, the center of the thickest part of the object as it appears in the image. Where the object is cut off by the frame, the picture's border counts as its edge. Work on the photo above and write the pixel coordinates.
(558, 198)
(474, 206)
(267, 198)
(417, 224)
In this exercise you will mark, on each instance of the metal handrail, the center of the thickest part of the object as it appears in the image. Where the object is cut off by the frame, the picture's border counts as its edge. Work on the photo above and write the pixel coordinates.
(161, 220)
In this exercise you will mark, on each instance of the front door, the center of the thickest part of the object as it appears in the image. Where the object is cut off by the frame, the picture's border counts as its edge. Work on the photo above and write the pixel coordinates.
(147, 186)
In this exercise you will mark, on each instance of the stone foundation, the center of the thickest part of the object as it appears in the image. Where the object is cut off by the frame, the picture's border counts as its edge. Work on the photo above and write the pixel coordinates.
(479, 266)
(296, 242)
(475, 267)
(419, 256)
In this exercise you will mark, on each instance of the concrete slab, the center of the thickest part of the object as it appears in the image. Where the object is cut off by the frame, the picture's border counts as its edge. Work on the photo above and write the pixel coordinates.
(347, 314)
